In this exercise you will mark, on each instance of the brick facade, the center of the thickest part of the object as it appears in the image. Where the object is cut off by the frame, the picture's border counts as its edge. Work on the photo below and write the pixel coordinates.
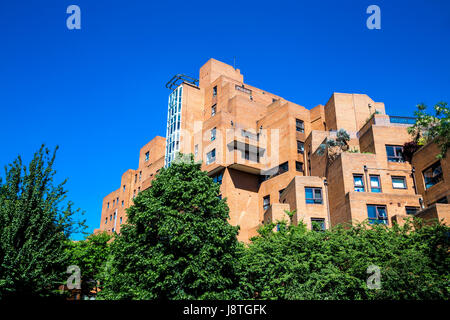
(266, 151)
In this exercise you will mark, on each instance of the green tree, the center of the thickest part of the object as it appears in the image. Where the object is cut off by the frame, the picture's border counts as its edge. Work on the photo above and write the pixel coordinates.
(295, 263)
(90, 255)
(178, 243)
(432, 128)
(35, 224)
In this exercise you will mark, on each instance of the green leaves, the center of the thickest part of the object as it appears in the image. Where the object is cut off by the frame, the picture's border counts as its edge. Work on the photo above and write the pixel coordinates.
(295, 263)
(428, 127)
(178, 243)
(35, 223)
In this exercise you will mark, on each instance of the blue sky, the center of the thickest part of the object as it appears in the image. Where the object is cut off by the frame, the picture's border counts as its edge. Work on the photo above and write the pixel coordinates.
(99, 92)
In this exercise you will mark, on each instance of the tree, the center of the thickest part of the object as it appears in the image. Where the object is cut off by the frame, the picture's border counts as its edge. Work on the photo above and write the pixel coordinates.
(432, 128)
(334, 147)
(35, 223)
(90, 255)
(296, 263)
(177, 243)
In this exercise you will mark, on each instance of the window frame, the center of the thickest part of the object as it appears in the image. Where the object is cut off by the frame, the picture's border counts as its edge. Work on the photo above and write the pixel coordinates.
(359, 175)
(400, 158)
(377, 219)
(211, 159)
(266, 205)
(405, 186)
(314, 199)
(379, 183)
(316, 220)
(300, 150)
(411, 207)
(430, 167)
(301, 166)
(299, 125)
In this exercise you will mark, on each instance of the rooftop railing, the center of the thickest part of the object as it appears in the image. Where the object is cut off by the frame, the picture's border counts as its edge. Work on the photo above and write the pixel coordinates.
(402, 120)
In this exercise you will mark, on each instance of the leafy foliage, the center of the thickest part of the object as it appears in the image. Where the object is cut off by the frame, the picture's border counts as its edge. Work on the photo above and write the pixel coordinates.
(428, 127)
(295, 263)
(408, 150)
(177, 244)
(90, 255)
(334, 147)
(35, 224)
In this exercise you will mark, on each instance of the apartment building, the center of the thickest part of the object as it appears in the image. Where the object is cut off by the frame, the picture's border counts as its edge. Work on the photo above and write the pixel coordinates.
(264, 151)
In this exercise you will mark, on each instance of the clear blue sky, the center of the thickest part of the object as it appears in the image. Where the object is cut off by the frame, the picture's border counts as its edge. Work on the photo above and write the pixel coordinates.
(99, 92)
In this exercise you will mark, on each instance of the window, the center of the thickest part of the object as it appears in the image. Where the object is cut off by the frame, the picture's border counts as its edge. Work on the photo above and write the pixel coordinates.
(247, 155)
(139, 190)
(135, 178)
(442, 200)
(394, 153)
(211, 156)
(196, 150)
(140, 175)
(120, 220)
(377, 214)
(299, 125)
(313, 195)
(108, 205)
(299, 166)
(122, 203)
(113, 230)
(432, 175)
(147, 155)
(358, 182)
(318, 224)
(215, 91)
(213, 134)
(399, 182)
(117, 201)
(213, 110)
(110, 217)
(218, 178)
(279, 194)
(134, 194)
(300, 147)
(124, 187)
(106, 220)
(375, 185)
(114, 203)
(284, 167)
(412, 210)
(266, 202)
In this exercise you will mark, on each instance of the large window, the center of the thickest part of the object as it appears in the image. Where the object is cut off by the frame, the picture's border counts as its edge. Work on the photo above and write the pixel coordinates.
(300, 147)
(299, 125)
(399, 182)
(432, 175)
(358, 181)
(313, 195)
(375, 184)
(377, 214)
(394, 153)
(318, 224)
(211, 156)
(266, 202)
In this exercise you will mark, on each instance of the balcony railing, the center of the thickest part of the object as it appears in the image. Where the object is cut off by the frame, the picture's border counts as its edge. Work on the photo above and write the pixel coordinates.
(402, 120)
